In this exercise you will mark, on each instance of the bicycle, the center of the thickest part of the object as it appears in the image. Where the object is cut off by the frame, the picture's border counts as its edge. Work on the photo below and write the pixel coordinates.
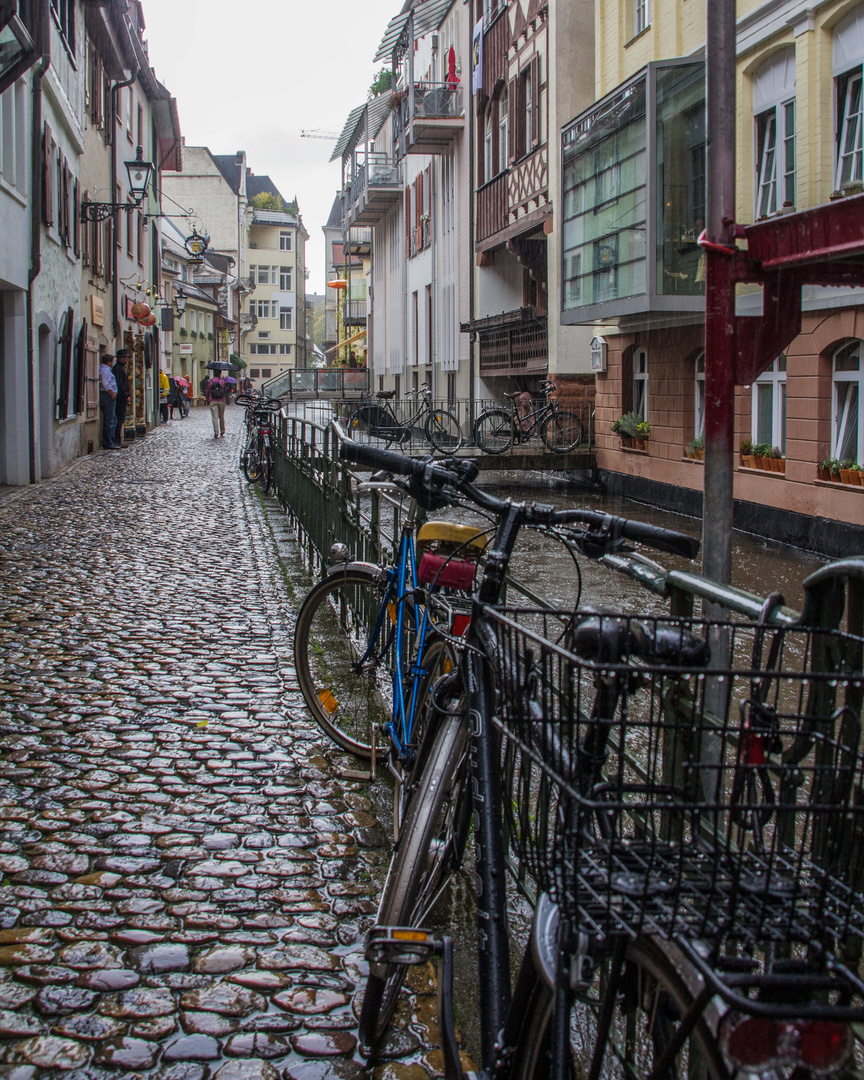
(256, 456)
(497, 429)
(684, 795)
(376, 421)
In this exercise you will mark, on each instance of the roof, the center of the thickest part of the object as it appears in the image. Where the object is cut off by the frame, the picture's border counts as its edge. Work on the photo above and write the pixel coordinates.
(258, 185)
(339, 257)
(428, 16)
(377, 110)
(230, 167)
(335, 219)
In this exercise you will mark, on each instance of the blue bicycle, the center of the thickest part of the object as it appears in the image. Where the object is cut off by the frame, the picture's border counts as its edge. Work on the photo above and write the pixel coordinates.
(367, 644)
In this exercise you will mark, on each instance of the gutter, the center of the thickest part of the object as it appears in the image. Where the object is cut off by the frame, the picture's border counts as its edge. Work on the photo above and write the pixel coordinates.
(35, 229)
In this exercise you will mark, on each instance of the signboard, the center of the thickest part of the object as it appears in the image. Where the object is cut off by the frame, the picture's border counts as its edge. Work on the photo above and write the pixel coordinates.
(185, 350)
(97, 310)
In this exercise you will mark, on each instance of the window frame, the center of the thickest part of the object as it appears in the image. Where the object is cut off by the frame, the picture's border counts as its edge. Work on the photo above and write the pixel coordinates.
(640, 381)
(699, 396)
(845, 84)
(840, 409)
(774, 377)
(283, 237)
(774, 177)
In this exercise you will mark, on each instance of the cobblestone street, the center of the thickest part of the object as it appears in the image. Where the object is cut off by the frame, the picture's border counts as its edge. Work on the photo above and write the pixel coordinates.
(186, 876)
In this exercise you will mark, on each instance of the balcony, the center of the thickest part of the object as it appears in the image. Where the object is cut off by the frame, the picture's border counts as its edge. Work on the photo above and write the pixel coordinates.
(428, 118)
(354, 312)
(375, 189)
(273, 217)
(514, 343)
(360, 242)
(492, 206)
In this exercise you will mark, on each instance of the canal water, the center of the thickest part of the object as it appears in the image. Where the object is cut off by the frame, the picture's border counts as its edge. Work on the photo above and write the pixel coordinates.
(758, 566)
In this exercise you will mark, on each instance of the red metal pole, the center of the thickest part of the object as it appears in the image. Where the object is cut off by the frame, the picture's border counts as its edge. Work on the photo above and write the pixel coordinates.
(720, 350)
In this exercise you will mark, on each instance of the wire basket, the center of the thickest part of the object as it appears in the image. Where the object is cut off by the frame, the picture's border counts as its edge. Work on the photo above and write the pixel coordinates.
(657, 796)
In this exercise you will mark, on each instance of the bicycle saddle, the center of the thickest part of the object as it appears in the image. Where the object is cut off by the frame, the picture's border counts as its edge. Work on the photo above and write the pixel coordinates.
(385, 395)
(611, 638)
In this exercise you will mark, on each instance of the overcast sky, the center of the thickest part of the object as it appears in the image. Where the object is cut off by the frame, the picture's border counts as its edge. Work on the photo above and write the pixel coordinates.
(250, 76)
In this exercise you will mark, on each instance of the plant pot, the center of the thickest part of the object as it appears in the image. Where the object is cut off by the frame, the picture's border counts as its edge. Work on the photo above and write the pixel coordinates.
(700, 455)
(855, 478)
(626, 442)
(775, 464)
(640, 444)
(835, 478)
(782, 464)
(844, 476)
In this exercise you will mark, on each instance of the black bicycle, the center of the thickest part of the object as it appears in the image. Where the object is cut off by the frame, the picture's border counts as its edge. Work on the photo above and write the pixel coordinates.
(682, 798)
(256, 456)
(497, 429)
(375, 422)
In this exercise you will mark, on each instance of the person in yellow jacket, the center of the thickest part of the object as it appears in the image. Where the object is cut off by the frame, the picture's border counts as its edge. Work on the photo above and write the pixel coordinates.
(164, 387)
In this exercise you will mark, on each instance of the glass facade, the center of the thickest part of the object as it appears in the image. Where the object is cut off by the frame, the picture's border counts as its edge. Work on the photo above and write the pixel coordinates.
(634, 197)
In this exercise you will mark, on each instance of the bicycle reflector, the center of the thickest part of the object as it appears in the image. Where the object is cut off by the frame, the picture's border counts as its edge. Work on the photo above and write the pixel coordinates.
(399, 945)
(756, 1044)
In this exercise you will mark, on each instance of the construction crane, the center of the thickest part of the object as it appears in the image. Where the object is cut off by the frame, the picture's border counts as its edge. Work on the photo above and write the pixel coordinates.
(317, 133)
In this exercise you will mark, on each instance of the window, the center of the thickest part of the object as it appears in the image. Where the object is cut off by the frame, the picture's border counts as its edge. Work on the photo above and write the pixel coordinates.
(254, 373)
(699, 397)
(774, 112)
(264, 335)
(284, 350)
(266, 373)
(849, 150)
(63, 13)
(524, 107)
(640, 383)
(768, 423)
(847, 435)
(502, 129)
(529, 101)
(286, 318)
(285, 241)
(262, 350)
(487, 144)
(13, 137)
(262, 308)
(641, 16)
(285, 278)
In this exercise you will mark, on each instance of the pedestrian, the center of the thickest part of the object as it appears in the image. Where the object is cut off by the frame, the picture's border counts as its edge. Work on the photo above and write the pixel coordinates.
(107, 400)
(352, 360)
(164, 391)
(217, 393)
(184, 399)
(174, 399)
(123, 394)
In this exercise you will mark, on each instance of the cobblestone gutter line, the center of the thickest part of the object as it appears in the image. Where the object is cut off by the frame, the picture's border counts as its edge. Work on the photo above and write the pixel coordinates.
(185, 878)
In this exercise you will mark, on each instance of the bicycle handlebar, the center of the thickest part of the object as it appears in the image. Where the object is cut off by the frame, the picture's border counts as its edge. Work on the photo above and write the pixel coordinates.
(609, 530)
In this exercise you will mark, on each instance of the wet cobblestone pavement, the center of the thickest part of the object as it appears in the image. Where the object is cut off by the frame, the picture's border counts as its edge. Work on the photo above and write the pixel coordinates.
(186, 877)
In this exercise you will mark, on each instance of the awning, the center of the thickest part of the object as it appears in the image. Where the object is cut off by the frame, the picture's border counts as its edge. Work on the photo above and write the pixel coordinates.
(355, 126)
(347, 341)
(428, 16)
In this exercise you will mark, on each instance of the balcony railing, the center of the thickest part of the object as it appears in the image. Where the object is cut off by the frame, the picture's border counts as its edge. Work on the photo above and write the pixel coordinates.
(376, 186)
(517, 344)
(437, 113)
(273, 217)
(354, 312)
(492, 207)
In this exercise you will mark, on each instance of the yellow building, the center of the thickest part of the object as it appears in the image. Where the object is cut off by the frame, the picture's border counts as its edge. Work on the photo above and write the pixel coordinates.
(634, 188)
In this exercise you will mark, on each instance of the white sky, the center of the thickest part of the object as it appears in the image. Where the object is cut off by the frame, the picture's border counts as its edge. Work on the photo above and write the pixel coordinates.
(250, 76)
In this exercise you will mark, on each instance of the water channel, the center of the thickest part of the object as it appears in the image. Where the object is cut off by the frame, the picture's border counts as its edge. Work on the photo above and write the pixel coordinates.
(759, 567)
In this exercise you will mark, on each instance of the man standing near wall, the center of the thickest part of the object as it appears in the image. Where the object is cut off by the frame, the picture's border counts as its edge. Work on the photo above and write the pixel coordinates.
(122, 380)
(107, 400)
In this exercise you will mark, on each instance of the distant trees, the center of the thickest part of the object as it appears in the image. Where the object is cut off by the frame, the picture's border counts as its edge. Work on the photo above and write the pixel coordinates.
(381, 82)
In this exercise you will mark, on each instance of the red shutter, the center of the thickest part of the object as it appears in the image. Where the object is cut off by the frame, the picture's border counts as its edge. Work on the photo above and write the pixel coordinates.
(513, 110)
(47, 178)
(407, 222)
(535, 102)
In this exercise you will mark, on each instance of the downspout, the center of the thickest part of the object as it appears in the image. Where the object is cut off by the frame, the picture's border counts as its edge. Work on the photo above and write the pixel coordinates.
(472, 339)
(114, 258)
(434, 336)
(35, 229)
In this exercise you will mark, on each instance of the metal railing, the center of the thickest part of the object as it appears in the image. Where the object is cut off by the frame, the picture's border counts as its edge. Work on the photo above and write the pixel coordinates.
(329, 383)
(354, 311)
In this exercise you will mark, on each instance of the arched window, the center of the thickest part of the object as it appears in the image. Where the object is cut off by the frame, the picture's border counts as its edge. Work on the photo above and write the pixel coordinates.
(502, 129)
(774, 113)
(699, 397)
(768, 420)
(640, 383)
(847, 59)
(847, 428)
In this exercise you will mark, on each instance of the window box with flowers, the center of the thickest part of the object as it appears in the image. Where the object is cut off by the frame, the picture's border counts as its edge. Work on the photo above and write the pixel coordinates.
(627, 427)
(183, 331)
(696, 448)
(829, 469)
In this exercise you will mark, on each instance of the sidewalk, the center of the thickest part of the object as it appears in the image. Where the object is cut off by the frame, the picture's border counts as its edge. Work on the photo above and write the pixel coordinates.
(186, 878)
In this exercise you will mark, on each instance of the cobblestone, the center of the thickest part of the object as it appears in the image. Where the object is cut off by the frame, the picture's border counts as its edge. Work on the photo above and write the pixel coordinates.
(185, 876)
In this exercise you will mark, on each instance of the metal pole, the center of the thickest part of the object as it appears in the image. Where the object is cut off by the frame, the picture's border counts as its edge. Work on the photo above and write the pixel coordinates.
(719, 292)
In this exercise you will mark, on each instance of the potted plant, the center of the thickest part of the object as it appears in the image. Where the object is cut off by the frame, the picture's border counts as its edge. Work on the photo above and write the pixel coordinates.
(643, 431)
(776, 459)
(845, 465)
(834, 469)
(747, 453)
(855, 475)
(183, 331)
(626, 426)
(761, 452)
(699, 447)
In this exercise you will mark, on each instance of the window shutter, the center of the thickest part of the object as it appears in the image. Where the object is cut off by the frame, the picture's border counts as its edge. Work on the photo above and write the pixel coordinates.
(418, 210)
(76, 215)
(407, 222)
(535, 102)
(47, 178)
(512, 119)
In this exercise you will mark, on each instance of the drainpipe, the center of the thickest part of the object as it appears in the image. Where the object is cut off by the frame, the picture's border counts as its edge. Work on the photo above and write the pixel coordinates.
(469, 114)
(115, 89)
(35, 228)
(434, 337)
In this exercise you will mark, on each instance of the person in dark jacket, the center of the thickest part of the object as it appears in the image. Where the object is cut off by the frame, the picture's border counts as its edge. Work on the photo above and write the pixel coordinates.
(123, 393)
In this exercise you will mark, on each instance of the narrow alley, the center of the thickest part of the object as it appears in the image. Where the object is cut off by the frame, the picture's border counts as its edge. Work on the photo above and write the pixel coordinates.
(186, 877)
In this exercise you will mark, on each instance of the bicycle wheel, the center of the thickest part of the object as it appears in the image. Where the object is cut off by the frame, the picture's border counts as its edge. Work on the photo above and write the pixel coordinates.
(443, 431)
(561, 431)
(650, 1001)
(430, 850)
(362, 431)
(493, 431)
(251, 463)
(266, 476)
(347, 699)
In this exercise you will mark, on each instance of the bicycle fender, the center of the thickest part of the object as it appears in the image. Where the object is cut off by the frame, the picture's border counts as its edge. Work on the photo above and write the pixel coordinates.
(348, 567)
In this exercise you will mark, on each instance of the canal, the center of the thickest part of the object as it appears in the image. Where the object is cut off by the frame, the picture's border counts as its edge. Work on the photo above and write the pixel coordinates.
(759, 566)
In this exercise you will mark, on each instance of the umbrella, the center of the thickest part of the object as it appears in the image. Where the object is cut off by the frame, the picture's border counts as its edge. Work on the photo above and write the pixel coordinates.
(182, 379)
(452, 77)
(219, 365)
(228, 379)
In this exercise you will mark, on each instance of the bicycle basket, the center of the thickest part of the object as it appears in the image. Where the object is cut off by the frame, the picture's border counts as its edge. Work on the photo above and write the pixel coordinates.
(665, 798)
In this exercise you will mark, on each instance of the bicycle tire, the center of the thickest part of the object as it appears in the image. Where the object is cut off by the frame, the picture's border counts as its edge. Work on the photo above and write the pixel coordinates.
(443, 431)
(251, 464)
(654, 995)
(267, 470)
(561, 431)
(435, 814)
(370, 435)
(494, 431)
(345, 703)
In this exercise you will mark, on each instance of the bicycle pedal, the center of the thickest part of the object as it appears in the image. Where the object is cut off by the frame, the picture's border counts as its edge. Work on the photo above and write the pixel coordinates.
(400, 945)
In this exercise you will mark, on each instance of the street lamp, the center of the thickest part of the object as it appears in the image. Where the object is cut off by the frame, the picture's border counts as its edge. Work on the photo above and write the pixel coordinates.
(139, 172)
(180, 304)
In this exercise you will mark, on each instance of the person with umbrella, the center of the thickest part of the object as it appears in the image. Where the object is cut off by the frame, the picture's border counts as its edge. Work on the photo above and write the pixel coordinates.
(217, 395)
(184, 386)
